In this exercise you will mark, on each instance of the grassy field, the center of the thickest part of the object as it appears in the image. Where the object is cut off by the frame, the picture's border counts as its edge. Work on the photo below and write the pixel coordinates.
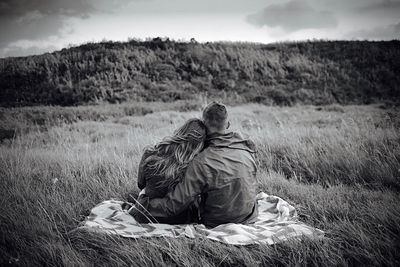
(338, 165)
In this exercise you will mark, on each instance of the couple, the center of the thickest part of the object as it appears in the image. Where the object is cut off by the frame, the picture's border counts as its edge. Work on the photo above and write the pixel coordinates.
(202, 174)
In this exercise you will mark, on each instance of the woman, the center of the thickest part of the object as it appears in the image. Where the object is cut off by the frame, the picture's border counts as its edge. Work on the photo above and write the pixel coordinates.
(164, 165)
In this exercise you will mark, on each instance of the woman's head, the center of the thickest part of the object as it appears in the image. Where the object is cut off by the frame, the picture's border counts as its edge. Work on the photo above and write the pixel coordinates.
(187, 141)
(173, 154)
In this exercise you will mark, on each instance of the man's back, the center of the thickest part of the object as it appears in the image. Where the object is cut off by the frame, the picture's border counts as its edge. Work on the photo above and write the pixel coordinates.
(230, 186)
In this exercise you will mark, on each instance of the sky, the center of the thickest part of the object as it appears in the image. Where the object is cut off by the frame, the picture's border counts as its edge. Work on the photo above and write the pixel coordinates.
(29, 27)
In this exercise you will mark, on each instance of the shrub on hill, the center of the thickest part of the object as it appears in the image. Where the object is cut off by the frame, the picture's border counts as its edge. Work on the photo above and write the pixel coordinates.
(321, 72)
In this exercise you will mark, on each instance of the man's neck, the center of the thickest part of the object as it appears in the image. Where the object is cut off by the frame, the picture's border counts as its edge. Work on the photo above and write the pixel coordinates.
(217, 132)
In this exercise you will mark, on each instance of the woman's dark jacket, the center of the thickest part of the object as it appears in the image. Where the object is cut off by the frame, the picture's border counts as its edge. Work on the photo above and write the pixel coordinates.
(147, 178)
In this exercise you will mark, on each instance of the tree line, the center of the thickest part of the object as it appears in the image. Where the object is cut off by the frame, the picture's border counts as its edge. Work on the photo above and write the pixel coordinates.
(312, 72)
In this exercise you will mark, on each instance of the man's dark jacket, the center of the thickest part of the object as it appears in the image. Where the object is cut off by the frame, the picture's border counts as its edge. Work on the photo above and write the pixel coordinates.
(223, 176)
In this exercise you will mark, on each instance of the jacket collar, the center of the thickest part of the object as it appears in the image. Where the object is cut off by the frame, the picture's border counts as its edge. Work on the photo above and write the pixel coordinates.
(231, 140)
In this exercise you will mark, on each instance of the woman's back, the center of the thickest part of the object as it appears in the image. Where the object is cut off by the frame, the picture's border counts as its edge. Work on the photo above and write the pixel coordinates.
(147, 178)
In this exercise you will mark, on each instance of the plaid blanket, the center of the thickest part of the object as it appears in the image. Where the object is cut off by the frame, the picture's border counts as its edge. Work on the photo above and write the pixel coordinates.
(277, 222)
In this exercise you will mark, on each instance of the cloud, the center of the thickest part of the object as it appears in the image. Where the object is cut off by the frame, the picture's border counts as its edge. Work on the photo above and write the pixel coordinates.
(381, 5)
(195, 6)
(380, 8)
(37, 19)
(32, 26)
(293, 16)
(388, 32)
(41, 19)
(18, 51)
(18, 8)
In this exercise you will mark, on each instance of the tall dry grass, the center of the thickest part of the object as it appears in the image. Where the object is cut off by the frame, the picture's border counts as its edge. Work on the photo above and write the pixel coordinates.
(338, 166)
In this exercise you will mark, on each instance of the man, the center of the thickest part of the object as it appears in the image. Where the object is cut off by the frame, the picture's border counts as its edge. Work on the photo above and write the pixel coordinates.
(220, 181)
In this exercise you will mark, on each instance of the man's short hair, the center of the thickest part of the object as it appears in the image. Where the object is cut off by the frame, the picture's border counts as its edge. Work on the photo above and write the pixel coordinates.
(215, 115)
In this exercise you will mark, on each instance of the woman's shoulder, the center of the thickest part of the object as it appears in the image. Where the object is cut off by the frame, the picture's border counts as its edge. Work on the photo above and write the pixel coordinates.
(147, 153)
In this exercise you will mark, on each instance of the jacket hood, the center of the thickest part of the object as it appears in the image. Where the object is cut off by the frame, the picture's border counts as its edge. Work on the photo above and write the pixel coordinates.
(230, 140)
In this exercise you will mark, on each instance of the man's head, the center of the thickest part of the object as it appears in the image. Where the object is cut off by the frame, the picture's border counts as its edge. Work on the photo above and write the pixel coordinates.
(215, 118)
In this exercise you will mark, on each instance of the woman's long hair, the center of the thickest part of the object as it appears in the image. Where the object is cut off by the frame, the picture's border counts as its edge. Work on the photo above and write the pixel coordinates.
(170, 157)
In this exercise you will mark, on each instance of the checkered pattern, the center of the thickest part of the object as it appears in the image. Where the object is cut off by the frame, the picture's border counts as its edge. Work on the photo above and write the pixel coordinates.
(276, 222)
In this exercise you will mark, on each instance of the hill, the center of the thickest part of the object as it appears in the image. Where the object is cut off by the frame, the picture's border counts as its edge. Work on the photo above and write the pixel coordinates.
(318, 72)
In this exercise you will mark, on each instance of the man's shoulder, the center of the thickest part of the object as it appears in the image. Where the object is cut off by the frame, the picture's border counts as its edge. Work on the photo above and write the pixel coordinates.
(246, 140)
(202, 156)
